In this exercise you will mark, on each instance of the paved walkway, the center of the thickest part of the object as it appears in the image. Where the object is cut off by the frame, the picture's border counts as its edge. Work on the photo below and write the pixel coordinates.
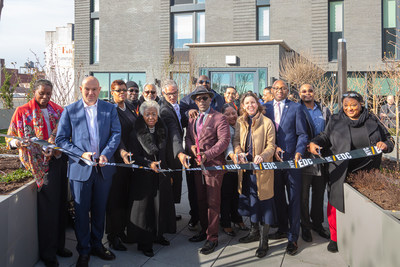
(229, 252)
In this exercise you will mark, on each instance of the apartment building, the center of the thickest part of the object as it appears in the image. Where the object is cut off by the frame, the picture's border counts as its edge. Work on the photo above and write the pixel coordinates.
(234, 42)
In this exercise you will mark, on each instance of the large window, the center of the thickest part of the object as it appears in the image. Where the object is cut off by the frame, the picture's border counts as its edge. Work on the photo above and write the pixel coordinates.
(188, 22)
(94, 32)
(188, 28)
(335, 27)
(389, 23)
(263, 20)
(106, 78)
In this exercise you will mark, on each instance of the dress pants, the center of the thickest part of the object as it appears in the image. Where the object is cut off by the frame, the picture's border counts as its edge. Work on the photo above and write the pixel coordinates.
(332, 221)
(118, 212)
(52, 210)
(192, 195)
(291, 180)
(209, 201)
(230, 200)
(90, 196)
(318, 184)
(177, 186)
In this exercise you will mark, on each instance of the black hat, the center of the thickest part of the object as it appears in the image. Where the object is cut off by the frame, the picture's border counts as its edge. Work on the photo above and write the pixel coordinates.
(201, 90)
(131, 84)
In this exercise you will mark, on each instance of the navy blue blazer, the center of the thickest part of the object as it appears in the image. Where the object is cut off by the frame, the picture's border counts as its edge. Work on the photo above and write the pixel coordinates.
(73, 135)
(292, 134)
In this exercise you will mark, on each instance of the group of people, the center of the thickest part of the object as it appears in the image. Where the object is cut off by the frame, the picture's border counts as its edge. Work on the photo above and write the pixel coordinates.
(203, 129)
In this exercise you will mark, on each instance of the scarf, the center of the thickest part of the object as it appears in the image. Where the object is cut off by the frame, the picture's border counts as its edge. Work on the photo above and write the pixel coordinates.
(27, 122)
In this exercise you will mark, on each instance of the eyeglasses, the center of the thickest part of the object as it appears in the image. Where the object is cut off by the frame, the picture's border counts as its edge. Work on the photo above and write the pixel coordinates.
(351, 95)
(204, 98)
(120, 91)
(279, 88)
(204, 81)
(149, 92)
(305, 91)
(133, 90)
(171, 94)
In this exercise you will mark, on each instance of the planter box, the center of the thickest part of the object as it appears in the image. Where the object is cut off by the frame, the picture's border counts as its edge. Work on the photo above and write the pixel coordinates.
(367, 234)
(18, 227)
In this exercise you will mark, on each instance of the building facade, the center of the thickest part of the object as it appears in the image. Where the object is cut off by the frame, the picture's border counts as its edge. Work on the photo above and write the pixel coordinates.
(234, 42)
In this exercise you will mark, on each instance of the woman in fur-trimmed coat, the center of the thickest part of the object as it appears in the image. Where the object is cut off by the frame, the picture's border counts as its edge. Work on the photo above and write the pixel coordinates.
(153, 211)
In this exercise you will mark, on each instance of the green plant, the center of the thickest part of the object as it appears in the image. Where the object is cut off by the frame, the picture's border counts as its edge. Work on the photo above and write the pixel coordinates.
(2, 139)
(16, 175)
(7, 90)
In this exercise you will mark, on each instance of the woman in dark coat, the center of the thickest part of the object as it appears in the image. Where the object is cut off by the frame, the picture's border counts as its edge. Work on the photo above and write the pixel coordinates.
(117, 215)
(352, 128)
(153, 211)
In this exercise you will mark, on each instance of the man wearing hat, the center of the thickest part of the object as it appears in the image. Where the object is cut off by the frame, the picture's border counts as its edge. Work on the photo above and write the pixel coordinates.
(207, 138)
(132, 99)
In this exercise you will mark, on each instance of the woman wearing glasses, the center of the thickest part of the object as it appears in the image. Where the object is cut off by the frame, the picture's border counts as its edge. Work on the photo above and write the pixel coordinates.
(118, 201)
(352, 128)
(255, 142)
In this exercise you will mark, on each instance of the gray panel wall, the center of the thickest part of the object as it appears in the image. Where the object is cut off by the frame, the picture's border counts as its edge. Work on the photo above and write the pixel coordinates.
(219, 21)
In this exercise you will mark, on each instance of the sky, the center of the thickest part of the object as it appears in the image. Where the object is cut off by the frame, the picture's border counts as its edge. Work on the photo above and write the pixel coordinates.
(23, 25)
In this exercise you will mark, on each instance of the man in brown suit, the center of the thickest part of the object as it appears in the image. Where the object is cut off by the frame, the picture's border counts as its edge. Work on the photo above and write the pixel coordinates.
(207, 138)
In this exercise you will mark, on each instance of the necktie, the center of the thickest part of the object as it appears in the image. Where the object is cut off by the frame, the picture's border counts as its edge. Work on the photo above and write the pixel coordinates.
(277, 114)
(200, 125)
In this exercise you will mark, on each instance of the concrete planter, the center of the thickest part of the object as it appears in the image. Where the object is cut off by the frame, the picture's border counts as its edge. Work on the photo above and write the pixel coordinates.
(18, 227)
(367, 234)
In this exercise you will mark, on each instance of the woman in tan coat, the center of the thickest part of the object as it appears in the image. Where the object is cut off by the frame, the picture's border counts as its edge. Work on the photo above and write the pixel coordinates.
(255, 142)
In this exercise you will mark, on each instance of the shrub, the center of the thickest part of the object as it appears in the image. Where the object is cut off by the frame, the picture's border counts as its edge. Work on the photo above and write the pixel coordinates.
(17, 175)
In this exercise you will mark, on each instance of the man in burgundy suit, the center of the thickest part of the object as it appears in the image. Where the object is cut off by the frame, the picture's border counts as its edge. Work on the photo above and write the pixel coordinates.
(207, 138)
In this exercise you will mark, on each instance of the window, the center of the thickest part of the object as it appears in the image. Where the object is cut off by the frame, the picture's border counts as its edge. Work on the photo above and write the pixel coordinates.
(263, 20)
(335, 27)
(188, 22)
(389, 31)
(180, 2)
(94, 32)
(106, 78)
(189, 28)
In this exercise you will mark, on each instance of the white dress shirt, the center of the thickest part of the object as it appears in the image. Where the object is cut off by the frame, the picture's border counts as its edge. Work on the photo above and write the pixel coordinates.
(91, 120)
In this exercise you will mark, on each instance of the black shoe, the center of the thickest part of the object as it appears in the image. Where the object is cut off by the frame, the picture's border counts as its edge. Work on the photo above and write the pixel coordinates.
(322, 232)
(332, 247)
(277, 235)
(178, 217)
(162, 241)
(103, 253)
(254, 234)
(64, 253)
(291, 248)
(242, 227)
(192, 225)
(306, 235)
(263, 247)
(198, 238)
(51, 263)
(116, 244)
(229, 232)
(146, 251)
(208, 247)
(83, 261)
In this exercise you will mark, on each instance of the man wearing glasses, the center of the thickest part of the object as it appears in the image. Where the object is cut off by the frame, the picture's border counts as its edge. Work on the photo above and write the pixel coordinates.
(189, 109)
(132, 99)
(149, 93)
(291, 142)
(176, 157)
(207, 138)
(314, 176)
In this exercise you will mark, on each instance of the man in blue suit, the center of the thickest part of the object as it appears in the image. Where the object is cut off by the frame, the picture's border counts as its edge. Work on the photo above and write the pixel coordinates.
(291, 140)
(90, 128)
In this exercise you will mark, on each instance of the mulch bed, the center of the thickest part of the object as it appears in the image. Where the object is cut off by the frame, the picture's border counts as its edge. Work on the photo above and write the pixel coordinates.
(382, 187)
(8, 165)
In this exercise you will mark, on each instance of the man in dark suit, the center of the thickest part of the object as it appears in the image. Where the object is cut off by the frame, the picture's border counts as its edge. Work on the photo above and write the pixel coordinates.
(189, 109)
(90, 128)
(170, 114)
(291, 141)
(314, 176)
(207, 138)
